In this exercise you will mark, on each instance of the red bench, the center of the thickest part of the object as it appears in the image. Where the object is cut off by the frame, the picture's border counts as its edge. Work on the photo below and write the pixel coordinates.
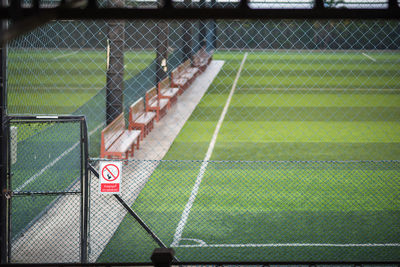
(202, 59)
(117, 141)
(187, 71)
(183, 76)
(154, 103)
(178, 81)
(140, 119)
(166, 91)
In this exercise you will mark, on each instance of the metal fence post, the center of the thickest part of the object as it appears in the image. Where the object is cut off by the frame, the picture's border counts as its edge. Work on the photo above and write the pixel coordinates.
(4, 223)
(213, 30)
(187, 35)
(115, 67)
(162, 257)
(84, 192)
(202, 27)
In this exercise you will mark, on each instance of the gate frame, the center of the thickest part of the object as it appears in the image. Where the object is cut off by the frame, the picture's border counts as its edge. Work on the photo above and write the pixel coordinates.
(84, 180)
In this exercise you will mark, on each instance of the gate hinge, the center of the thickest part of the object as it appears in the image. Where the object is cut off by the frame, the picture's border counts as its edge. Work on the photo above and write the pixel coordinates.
(7, 193)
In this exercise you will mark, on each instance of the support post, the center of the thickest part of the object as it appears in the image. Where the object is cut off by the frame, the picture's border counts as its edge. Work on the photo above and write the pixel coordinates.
(162, 257)
(187, 35)
(161, 50)
(115, 67)
(84, 192)
(213, 30)
(4, 155)
(202, 27)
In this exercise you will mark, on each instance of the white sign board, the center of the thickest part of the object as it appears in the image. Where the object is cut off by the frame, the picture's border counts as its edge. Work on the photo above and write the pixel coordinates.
(110, 177)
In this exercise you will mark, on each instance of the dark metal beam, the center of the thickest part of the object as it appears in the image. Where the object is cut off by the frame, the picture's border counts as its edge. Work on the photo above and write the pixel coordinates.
(4, 161)
(61, 13)
(27, 19)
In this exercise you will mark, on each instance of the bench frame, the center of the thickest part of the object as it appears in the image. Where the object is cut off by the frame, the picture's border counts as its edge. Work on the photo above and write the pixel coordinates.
(202, 59)
(165, 85)
(136, 110)
(151, 98)
(179, 82)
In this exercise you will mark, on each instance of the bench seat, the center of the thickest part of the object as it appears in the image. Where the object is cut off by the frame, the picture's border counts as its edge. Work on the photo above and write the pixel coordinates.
(146, 117)
(163, 103)
(190, 73)
(124, 142)
(181, 83)
(169, 92)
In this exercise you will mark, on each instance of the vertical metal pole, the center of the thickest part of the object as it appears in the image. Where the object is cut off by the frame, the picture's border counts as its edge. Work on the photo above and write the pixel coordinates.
(213, 30)
(187, 35)
(187, 40)
(162, 257)
(4, 222)
(84, 192)
(202, 27)
(393, 4)
(115, 68)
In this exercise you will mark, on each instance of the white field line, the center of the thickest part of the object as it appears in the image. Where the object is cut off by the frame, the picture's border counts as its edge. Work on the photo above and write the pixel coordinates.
(66, 55)
(373, 59)
(319, 89)
(189, 204)
(292, 245)
(51, 164)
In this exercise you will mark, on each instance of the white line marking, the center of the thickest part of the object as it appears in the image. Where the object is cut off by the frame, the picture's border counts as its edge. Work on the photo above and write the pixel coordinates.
(46, 117)
(66, 55)
(373, 59)
(293, 245)
(189, 204)
(201, 242)
(51, 164)
(320, 89)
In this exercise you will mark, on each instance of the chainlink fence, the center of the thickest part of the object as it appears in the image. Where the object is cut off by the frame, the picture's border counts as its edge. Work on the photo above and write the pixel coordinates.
(47, 170)
(286, 148)
(250, 211)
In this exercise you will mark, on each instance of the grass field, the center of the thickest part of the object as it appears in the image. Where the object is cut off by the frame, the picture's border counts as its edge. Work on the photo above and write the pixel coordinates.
(55, 82)
(60, 81)
(288, 107)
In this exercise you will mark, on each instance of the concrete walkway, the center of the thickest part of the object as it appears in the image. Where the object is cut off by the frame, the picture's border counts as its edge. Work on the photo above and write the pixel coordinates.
(55, 237)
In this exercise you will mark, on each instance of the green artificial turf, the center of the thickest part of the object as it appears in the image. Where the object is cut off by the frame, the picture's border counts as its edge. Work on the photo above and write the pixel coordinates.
(289, 107)
(61, 81)
(55, 82)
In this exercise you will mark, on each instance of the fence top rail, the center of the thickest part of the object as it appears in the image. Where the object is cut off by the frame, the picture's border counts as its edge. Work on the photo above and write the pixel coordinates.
(213, 263)
(254, 161)
(46, 118)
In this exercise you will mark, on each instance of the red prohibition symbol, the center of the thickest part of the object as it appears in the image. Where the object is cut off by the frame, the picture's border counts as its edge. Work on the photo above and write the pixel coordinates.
(107, 173)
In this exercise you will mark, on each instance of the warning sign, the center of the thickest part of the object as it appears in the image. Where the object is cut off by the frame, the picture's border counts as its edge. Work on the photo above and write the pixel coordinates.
(110, 177)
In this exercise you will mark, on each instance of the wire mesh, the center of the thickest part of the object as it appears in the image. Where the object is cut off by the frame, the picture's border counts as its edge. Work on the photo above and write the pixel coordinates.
(335, 82)
(251, 211)
(46, 172)
(291, 134)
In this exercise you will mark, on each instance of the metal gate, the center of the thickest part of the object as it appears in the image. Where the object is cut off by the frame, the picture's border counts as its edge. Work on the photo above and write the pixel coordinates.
(48, 185)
